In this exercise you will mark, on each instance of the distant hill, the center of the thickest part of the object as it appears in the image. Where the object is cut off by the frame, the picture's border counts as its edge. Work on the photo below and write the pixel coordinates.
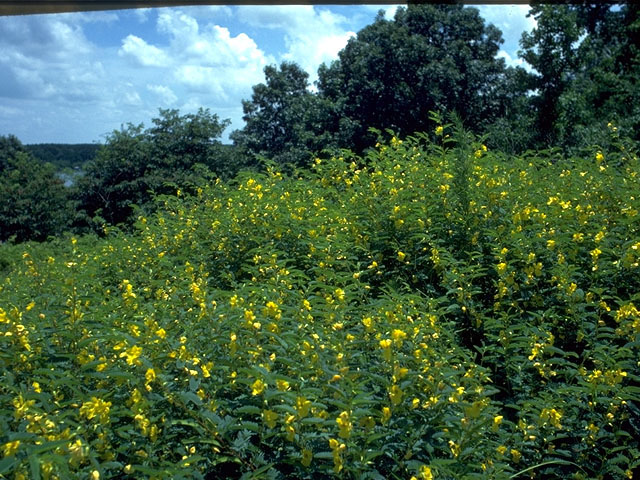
(64, 155)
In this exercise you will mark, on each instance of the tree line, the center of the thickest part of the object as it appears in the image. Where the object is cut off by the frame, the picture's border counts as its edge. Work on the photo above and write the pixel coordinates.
(389, 77)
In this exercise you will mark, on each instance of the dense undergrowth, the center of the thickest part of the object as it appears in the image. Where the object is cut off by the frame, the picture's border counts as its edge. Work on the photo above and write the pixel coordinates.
(428, 311)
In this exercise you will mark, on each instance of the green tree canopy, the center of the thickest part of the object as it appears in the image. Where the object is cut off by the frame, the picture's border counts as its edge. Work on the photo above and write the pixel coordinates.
(586, 68)
(134, 164)
(284, 120)
(33, 200)
(428, 58)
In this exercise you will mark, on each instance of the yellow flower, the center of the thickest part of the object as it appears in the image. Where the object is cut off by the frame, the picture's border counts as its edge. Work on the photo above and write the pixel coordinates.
(307, 456)
(96, 407)
(396, 394)
(282, 385)
(398, 335)
(552, 416)
(150, 376)
(302, 406)
(599, 157)
(515, 455)
(272, 310)
(425, 473)
(345, 425)
(291, 432)
(455, 448)
(22, 406)
(10, 448)
(269, 417)
(439, 130)
(386, 414)
(95, 475)
(132, 355)
(77, 451)
(497, 420)
(257, 387)
(401, 256)
(128, 290)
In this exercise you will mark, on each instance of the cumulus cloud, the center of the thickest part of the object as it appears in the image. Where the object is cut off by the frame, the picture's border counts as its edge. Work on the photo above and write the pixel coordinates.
(210, 60)
(312, 35)
(143, 53)
(512, 20)
(142, 14)
(513, 62)
(165, 93)
(46, 57)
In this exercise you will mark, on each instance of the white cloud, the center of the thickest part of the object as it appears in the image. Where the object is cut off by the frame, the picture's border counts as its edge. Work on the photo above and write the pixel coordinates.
(145, 54)
(142, 14)
(513, 62)
(131, 97)
(209, 60)
(178, 25)
(512, 20)
(312, 35)
(47, 57)
(164, 93)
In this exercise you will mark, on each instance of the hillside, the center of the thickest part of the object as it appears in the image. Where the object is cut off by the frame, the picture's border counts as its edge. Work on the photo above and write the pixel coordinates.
(427, 311)
(63, 155)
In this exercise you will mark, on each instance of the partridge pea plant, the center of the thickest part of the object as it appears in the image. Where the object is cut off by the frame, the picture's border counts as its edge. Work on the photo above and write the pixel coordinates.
(430, 310)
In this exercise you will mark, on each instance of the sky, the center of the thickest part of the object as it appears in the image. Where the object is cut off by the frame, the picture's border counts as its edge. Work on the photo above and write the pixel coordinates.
(77, 77)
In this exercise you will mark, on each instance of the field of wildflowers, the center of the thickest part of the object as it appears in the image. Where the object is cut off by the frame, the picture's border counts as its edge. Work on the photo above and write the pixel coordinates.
(430, 311)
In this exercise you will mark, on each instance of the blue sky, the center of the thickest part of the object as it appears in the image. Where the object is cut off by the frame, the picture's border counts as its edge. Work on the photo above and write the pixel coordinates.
(75, 77)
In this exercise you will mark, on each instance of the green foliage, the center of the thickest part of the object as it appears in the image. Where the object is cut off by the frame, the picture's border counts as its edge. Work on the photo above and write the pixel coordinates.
(585, 58)
(434, 310)
(134, 164)
(33, 201)
(10, 146)
(429, 57)
(284, 120)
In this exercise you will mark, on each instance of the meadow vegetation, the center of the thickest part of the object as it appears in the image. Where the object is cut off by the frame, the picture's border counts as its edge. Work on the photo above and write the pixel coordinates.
(431, 309)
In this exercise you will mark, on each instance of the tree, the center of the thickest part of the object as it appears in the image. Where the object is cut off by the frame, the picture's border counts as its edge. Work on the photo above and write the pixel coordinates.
(135, 164)
(33, 200)
(10, 145)
(428, 58)
(284, 120)
(586, 65)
